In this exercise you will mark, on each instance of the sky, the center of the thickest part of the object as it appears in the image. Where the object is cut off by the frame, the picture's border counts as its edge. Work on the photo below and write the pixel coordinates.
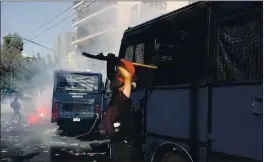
(25, 18)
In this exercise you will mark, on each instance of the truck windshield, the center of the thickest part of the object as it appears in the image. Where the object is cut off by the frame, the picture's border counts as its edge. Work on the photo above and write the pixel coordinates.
(77, 82)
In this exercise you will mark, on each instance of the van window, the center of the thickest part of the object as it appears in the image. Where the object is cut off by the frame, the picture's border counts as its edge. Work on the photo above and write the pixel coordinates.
(138, 57)
(129, 55)
(187, 68)
(187, 49)
(77, 82)
(139, 53)
(238, 49)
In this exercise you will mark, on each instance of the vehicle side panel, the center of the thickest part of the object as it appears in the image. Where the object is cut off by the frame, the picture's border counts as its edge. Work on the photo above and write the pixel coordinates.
(169, 113)
(236, 130)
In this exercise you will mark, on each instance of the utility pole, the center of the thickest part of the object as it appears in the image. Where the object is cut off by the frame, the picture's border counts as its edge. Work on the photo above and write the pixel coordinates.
(58, 52)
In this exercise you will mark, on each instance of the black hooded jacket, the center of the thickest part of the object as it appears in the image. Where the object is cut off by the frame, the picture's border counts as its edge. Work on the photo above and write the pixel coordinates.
(125, 116)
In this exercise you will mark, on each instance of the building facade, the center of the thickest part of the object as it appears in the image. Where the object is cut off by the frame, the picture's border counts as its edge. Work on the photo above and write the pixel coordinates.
(62, 44)
(99, 26)
(63, 47)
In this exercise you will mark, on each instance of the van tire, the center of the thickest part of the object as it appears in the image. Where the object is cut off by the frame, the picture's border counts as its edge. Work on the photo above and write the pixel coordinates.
(174, 157)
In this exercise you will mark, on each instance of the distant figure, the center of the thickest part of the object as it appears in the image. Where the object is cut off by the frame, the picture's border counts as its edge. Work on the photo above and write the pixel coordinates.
(16, 107)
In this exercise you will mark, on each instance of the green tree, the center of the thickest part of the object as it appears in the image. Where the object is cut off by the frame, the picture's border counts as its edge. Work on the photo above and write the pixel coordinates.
(14, 40)
(12, 63)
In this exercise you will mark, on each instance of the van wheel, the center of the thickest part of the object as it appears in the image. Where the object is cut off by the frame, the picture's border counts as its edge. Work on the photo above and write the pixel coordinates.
(174, 157)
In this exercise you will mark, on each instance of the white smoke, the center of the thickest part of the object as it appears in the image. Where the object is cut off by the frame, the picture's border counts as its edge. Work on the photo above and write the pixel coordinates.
(110, 42)
(126, 14)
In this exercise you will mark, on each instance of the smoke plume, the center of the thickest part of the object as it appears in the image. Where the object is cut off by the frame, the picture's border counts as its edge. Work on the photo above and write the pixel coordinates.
(38, 91)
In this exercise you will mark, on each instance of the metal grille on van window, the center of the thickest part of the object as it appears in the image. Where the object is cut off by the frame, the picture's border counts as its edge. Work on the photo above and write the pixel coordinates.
(239, 48)
(139, 54)
(129, 53)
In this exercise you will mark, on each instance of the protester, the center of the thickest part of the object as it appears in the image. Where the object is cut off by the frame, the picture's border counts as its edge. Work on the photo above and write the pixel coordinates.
(16, 108)
(121, 114)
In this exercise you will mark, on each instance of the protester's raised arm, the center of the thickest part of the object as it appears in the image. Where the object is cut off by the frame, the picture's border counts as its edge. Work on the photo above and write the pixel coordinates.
(127, 71)
(127, 81)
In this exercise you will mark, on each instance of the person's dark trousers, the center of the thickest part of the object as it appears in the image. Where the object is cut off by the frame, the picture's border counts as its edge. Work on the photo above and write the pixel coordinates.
(123, 151)
(16, 113)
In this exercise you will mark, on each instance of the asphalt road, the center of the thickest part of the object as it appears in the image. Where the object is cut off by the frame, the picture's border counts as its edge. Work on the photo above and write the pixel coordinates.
(43, 142)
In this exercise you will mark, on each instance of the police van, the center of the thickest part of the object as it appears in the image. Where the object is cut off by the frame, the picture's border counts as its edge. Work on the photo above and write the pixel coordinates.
(204, 102)
(77, 99)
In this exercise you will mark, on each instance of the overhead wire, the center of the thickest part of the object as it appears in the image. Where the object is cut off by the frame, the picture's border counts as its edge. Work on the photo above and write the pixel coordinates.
(52, 19)
(32, 42)
(62, 20)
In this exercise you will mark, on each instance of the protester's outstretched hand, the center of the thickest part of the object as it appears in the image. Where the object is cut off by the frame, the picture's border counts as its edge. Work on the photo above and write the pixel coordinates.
(126, 69)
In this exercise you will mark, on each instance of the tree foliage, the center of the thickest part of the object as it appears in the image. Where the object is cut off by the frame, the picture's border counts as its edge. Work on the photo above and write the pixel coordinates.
(11, 61)
(16, 71)
(13, 41)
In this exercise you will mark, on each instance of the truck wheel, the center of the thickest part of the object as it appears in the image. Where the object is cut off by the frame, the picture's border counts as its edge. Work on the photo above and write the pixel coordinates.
(174, 157)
